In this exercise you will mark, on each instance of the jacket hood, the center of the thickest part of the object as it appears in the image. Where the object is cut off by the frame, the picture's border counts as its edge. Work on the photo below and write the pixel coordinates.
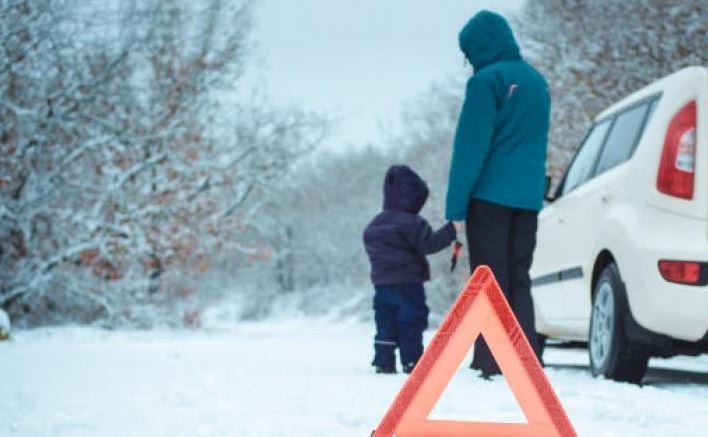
(487, 38)
(404, 190)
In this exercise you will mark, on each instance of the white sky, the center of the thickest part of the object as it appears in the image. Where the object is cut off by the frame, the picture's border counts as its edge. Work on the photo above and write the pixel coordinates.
(359, 59)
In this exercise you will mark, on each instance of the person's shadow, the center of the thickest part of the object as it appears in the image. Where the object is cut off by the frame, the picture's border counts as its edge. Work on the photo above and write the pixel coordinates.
(663, 377)
(655, 376)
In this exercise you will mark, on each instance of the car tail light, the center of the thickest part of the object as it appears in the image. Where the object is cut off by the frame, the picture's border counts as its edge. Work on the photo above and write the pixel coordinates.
(683, 272)
(678, 159)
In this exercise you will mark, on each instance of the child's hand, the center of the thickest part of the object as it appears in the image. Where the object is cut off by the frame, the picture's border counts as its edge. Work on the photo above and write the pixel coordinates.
(458, 226)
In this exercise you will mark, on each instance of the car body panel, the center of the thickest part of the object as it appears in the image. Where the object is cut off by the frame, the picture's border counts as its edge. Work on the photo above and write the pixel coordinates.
(621, 212)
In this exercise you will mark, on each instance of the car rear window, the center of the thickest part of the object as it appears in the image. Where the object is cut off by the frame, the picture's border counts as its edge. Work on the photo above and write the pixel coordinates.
(623, 138)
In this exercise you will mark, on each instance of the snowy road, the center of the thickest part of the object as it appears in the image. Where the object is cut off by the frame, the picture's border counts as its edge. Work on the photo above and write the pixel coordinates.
(298, 378)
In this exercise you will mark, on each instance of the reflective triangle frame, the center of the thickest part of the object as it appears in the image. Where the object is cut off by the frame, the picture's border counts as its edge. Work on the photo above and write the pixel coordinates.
(481, 309)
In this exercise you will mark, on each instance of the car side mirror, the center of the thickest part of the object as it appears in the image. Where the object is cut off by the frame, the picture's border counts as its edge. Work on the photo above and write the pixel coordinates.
(548, 195)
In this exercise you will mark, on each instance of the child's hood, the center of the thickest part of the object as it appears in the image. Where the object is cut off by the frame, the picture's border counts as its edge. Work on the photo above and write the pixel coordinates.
(404, 190)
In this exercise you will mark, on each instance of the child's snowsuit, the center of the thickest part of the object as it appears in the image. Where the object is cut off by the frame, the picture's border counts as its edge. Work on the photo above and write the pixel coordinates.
(397, 241)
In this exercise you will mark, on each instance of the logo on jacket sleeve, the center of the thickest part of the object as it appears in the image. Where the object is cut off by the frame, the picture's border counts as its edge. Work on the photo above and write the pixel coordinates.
(512, 89)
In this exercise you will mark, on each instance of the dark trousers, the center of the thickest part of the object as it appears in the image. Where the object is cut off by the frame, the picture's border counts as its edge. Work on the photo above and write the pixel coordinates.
(504, 239)
(401, 317)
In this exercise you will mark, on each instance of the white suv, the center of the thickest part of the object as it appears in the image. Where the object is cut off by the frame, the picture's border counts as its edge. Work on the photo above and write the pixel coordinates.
(622, 254)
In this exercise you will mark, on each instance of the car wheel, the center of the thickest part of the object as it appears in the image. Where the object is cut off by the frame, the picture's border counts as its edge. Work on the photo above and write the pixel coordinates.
(612, 354)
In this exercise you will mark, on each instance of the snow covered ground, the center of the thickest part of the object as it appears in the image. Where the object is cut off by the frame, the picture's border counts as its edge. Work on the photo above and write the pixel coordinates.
(292, 378)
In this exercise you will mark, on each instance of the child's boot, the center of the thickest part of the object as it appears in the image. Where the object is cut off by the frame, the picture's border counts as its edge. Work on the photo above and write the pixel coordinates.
(386, 370)
(408, 368)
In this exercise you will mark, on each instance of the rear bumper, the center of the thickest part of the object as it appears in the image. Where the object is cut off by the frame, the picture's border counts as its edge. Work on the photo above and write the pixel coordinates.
(658, 306)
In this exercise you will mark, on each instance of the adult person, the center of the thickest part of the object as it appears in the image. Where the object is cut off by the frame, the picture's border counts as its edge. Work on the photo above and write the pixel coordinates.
(497, 173)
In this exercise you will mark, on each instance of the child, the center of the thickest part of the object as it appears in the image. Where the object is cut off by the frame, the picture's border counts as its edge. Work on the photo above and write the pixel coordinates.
(397, 241)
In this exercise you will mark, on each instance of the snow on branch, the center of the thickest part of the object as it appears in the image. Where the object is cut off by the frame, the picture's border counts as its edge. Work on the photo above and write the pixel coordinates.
(121, 174)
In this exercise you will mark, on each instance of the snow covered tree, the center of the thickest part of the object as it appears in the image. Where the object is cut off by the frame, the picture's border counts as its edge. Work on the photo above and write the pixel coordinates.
(593, 53)
(125, 172)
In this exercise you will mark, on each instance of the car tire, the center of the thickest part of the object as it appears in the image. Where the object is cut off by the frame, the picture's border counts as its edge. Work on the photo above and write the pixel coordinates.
(612, 354)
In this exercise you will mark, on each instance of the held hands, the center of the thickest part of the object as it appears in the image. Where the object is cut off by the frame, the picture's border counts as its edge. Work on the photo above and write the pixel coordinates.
(457, 246)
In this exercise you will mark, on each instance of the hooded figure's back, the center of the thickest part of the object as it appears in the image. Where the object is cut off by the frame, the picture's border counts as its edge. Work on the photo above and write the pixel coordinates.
(398, 239)
(500, 145)
(404, 190)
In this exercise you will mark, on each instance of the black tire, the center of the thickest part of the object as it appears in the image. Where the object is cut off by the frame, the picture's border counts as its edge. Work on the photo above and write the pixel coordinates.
(612, 354)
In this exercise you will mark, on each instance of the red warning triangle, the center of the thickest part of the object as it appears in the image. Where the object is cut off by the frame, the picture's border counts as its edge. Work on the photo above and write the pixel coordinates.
(481, 309)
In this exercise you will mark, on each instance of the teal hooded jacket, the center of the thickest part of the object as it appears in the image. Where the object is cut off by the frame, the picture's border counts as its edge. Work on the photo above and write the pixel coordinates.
(499, 154)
